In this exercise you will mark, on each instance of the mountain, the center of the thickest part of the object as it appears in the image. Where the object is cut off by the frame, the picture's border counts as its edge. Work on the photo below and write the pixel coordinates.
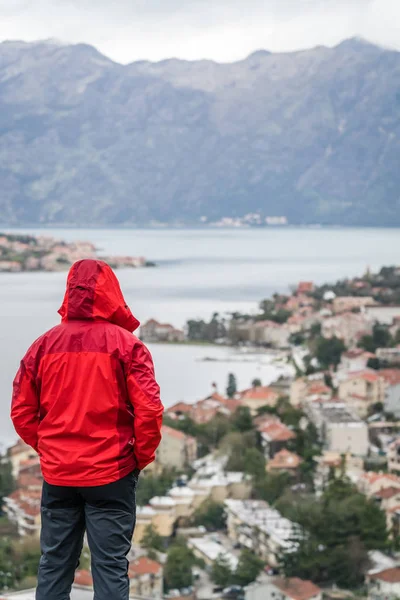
(313, 135)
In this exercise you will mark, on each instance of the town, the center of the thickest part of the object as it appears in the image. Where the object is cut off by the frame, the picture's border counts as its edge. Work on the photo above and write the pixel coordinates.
(43, 253)
(286, 491)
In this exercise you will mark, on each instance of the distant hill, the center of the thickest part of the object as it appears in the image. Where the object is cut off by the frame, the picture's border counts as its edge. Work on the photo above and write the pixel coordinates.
(313, 135)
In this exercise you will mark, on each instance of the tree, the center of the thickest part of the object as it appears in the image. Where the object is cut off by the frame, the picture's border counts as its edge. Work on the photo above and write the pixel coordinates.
(221, 572)
(271, 486)
(329, 351)
(232, 386)
(211, 515)
(178, 567)
(7, 484)
(380, 338)
(242, 420)
(254, 463)
(153, 485)
(248, 568)
(256, 382)
(152, 539)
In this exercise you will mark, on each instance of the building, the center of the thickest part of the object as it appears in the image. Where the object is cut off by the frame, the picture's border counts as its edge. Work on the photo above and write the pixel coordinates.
(261, 529)
(212, 481)
(205, 410)
(385, 315)
(346, 303)
(340, 429)
(349, 327)
(270, 333)
(391, 356)
(275, 435)
(278, 588)
(284, 462)
(210, 549)
(19, 453)
(256, 397)
(146, 578)
(355, 360)
(305, 389)
(22, 507)
(176, 449)
(384, 585)
(362, 389)
(305, 287)
(392, 391)
(153, 331)
(369, 483)
(388, 500)
(393, 456)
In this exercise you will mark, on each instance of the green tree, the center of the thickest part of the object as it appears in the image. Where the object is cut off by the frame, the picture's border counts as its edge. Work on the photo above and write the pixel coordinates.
(178, 566)
(241, 419)
(329, 351)
(152, 540)
(7, 484)
(248, 568)
(154, 485)
(221, 572)
(232, 386)
(380, 338)
(256, 382)
(271, 486)
(211, 515)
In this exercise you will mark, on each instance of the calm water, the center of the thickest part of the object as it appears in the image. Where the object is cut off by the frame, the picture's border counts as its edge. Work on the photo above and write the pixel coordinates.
(199, 272)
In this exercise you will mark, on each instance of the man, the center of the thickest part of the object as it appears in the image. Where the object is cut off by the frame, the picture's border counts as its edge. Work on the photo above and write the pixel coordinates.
(86, 399)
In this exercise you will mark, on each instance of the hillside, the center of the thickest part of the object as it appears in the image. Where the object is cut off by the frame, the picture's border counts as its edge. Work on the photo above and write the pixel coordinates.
(313, 135)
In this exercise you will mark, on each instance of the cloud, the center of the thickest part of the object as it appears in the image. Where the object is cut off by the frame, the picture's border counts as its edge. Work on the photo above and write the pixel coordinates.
(224, 30)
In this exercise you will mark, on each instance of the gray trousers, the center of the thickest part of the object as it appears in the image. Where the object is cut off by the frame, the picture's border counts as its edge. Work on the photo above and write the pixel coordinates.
(107, 513)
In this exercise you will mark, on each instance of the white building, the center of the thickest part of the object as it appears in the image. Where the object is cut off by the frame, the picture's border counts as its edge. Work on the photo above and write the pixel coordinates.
(256, 526)
(384, 585)
(278, 588)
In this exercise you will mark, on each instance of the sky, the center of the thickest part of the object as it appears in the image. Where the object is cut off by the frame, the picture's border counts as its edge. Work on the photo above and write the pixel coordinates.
(223, 30)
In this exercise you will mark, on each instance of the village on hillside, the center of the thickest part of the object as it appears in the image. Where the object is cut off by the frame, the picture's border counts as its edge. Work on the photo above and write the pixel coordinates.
(20, 252)
(286, 491)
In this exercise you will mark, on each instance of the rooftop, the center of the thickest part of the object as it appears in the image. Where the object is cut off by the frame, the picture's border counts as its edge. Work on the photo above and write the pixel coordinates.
(296, 588)
(338, 412)
(284, 460)
(213, 550)
(388, 575)
(144, 566)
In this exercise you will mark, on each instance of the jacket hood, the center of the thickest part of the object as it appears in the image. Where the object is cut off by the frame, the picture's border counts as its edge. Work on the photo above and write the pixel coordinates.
(93, 292)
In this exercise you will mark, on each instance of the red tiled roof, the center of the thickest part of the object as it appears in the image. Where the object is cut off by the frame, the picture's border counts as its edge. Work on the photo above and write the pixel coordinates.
(388, 575)
(284, 460)
(391, 376)
(296, 588)
(180, 407)
(258, 393)
(387, 492)
(179, 435)
(277, 431)
(366, 375)
(144, 566)
(317, 387)
(83, 578)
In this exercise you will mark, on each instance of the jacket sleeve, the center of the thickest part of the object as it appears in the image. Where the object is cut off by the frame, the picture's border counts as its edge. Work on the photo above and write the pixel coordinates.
(25, 406)
(144, 395)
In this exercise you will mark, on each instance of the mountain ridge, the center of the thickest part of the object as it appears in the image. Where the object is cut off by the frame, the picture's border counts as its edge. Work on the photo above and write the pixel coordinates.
(312, 135)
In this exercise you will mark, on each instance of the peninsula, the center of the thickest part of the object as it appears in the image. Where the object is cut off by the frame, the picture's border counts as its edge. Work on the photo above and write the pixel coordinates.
(20, 252)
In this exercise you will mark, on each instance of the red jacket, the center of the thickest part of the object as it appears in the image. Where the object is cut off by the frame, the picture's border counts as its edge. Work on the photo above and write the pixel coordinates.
(85, 396)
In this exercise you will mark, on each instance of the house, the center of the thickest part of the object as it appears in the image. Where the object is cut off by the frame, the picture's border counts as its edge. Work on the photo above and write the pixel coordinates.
(22, 507)
(213, 481)
(393, 456)
(270, 333)
(334, 463)
(384, 585)
(205, 410)
(370, 482)
(305, 287)
(384, 315)
(347, 303)
(256, 397)
(392, 391)
(305, 389)
(256, 526)
(355, 359)
(19, 453)
(362, 389)
(284, 462)
(153, 331)
(176, 449)
(274, 434)
(278, 588)
(209, 548)
(340, 429)
(391, 356)
(388, 500)
(349, 327)
(146, 578)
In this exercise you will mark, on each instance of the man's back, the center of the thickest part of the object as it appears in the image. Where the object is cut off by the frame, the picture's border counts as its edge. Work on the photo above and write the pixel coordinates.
(85, 397)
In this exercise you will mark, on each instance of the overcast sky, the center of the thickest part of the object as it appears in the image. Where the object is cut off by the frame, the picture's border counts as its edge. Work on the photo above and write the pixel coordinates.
(224, 30)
